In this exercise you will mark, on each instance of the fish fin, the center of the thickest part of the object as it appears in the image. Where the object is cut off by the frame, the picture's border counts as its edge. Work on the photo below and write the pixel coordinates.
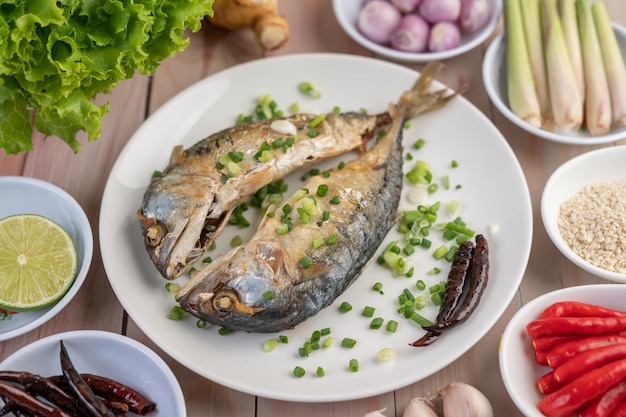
(177, 156)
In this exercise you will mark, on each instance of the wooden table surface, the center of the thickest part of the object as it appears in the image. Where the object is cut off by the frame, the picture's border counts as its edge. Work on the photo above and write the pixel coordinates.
(313, 29)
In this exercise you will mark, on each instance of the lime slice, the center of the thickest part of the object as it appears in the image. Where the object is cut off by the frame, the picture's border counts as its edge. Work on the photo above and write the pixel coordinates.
(38, 262)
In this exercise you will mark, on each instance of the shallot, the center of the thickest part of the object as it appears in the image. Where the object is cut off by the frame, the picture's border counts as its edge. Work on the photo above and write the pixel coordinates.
(435, 11)
(377, 20)
(444, 36)
(474, 14)
(411, 35)
(406, 6)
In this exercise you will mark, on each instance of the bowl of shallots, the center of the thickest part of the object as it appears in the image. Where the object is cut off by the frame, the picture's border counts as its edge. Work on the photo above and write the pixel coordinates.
(418, 30)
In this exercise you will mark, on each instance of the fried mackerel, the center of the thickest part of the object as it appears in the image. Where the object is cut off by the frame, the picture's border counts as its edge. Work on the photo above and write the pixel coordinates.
(186, 208)
(309, 249)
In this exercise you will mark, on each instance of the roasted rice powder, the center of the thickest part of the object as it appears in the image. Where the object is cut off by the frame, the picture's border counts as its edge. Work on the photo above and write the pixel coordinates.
(593, 223)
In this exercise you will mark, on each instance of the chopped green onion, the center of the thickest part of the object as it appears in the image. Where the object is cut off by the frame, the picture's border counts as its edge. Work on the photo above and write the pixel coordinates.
(269, 345)
(368, 311)
(223, 331)
(176, 313)
(283, 339)
(316, 121)
(345, 307)
(308, 89)
(319, 371)
(236, 241)
(341, 165)
(376, 323)
(334, 200)
(348, 342)
(267, 295)
(392, 326)
(322, 189)
(306, 262)
(329, 341)
(440, 252)
(157, 174)
(419, 144)
(201, 324)
(378, 287)
(421, 320)
(353, 365)
(172, 287)
(420, 285)
(317, 242)
(386, 354)
(298, 372)
(332, 239)
(325, 215)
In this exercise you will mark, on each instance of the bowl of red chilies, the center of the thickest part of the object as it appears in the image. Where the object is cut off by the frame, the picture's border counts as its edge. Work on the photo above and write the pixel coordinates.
(564, 353)
(88, 372)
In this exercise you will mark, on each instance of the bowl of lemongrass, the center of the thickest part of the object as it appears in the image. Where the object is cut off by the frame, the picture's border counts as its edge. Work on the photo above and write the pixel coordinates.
(580, 55)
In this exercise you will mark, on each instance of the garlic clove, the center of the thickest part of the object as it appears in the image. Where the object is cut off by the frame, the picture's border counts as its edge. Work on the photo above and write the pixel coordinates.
(376, 413)
(464, 400)
(419, 407)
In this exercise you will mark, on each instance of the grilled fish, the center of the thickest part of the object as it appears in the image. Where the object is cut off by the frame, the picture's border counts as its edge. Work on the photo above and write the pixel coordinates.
(310, 248)
(186, 208)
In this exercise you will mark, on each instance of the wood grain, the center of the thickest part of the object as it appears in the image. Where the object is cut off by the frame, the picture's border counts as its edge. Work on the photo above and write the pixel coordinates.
(313, 29)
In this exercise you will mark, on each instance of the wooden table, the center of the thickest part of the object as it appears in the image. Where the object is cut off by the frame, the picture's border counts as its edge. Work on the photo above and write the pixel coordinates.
(313, 29)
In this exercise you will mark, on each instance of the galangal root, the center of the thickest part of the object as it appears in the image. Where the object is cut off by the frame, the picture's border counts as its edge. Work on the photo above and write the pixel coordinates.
(271, 29)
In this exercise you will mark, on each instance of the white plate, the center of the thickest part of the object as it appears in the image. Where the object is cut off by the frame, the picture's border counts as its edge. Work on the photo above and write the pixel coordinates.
(519, 370)
(493, 191)
(110, 355)
(30, 195)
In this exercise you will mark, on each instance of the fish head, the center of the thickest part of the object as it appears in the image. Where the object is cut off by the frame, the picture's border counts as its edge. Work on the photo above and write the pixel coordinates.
(244, 288)
(173, 218)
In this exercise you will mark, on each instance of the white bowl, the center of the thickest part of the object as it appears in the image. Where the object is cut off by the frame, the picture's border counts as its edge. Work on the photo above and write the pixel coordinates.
(110, 355)
(22, 195)
(518, 368)
(601, 165)
(347, 11)
(494, 78)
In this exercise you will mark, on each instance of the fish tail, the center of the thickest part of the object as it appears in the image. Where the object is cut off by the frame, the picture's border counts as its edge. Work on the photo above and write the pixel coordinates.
(422, 98)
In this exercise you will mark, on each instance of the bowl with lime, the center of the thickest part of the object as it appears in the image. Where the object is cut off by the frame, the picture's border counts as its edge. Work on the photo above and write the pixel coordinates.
(46, 247)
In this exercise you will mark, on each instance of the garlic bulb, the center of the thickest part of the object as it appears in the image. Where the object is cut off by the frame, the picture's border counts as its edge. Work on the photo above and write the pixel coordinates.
(376, 413)
(419, 407)
(464, 400)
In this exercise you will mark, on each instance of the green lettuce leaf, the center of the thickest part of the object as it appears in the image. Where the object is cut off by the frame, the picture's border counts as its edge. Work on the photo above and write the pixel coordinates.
(57, 55)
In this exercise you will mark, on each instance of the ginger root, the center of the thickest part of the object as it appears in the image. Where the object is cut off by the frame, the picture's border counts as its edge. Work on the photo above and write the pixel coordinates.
(261, 16)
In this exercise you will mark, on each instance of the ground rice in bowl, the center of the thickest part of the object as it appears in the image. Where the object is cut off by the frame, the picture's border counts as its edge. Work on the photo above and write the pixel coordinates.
(593, 223)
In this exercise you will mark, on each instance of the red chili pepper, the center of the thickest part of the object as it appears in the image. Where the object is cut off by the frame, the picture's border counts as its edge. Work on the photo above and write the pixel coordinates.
(546, 343)
(565, 351)
(619, 411)
(606, 403)
(586, 361)
(546, 384)
(540, 357)
(579, 309)
(575, 325)
(582, 390)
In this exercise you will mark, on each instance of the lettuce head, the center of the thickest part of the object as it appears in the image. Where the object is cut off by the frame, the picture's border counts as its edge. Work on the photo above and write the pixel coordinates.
(56, 55)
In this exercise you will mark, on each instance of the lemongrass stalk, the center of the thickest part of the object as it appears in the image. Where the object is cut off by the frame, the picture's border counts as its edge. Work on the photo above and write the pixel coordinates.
(613, 62)
(531, 15)
(572, 40)
(598, 115)
(520, 82)
(564, 95)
